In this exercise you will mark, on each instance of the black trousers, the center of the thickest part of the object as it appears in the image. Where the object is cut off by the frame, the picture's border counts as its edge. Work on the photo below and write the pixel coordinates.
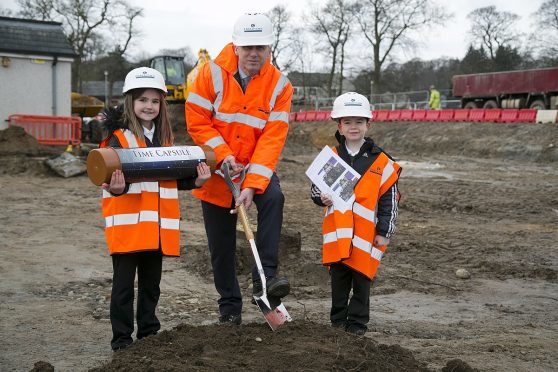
(220, 227)
(149, 267)
(354, 311)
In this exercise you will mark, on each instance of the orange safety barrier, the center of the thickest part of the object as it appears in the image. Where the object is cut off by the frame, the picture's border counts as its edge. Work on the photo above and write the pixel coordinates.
(419, 115)
(432, 115)
(477, 115)
(509, 116)
(406, 115)
(50, 130)
(292, 117)
(461, 114)
(492, 115)
(323, 115)
(394, 115)
(301, 116)
(446, 115)
(380, 115)
(527, 116)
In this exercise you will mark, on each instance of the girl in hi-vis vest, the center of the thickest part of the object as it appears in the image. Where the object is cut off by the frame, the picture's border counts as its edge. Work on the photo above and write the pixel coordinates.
(142, 218)
(355, 240)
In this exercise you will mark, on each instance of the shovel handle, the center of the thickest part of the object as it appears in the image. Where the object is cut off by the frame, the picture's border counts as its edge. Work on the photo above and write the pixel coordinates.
(244, 220)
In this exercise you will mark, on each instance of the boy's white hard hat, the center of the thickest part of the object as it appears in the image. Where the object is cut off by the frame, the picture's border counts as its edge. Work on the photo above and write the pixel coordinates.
(144, 77)
(252, 29)
(351, 104)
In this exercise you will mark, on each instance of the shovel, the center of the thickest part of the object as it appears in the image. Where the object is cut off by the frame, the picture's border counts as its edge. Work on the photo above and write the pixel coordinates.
(274, 311)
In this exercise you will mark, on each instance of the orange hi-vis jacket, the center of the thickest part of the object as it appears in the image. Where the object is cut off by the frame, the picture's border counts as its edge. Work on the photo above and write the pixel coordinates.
(146, 217)
(348, 236)
(251, 125)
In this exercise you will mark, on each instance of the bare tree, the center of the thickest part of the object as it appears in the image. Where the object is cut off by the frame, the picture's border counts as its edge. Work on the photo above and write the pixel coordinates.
(280, 18)
(333, 22)
(389, 24)
(84, 22)
(545, 35)
(4, 12)
(493, 29)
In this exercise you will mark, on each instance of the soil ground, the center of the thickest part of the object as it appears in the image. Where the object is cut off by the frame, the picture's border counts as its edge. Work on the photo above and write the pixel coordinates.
(480, 197)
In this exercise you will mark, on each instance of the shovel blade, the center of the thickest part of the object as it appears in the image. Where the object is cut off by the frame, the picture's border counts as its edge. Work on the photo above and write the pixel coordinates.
(275, 314)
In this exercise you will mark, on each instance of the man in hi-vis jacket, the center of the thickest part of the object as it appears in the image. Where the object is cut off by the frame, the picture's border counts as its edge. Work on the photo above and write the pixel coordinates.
(239, 105)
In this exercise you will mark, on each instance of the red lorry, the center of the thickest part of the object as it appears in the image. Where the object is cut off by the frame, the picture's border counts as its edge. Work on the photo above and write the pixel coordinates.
(536, 88)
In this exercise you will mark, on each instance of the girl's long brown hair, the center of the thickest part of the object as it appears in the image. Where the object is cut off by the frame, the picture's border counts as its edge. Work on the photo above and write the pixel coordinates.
(162, 122)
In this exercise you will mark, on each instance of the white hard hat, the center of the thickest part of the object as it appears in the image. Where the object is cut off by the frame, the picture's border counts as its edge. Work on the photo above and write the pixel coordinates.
(351, 104)
(144, 77)
(252, 29)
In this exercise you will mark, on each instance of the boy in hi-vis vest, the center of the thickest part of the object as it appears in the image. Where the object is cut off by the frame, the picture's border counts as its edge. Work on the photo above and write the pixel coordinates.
(355, 240)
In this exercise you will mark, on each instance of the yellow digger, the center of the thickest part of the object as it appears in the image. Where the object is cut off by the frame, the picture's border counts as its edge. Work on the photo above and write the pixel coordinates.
(172, 68)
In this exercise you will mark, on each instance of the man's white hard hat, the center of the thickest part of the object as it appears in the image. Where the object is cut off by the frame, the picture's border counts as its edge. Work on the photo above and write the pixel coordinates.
(351, 104)
(144, 77)
(252, 29)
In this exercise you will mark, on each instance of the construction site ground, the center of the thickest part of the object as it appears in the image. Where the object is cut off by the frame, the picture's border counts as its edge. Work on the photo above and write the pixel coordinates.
(476, 196)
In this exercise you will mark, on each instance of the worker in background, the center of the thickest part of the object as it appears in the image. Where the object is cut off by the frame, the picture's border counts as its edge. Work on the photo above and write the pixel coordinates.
(434, 101)
(142, 218)
(239, 105)
(356, 240)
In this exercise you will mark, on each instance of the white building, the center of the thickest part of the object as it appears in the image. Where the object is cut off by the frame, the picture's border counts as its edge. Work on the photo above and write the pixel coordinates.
(35, 70)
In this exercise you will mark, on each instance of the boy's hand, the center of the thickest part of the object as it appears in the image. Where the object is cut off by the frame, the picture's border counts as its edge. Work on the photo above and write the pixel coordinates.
(380, 241)
(204, 173)
(117, 183)
(326, 199)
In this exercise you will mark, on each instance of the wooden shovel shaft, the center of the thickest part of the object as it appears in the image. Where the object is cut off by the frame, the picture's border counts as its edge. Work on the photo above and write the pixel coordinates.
(245, 223)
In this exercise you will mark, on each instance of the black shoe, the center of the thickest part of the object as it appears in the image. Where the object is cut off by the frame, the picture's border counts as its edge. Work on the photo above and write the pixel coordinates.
(356, 330)
(120, 347)
(230, 319)
(339, 324)
(278, 287)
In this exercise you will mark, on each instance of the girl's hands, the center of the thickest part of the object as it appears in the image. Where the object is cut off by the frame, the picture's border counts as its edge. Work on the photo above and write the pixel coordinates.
(204, 173)
(380, 241)
(117, 183)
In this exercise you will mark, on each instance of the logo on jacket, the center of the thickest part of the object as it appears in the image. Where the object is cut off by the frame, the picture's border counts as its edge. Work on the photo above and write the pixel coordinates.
(378, 170)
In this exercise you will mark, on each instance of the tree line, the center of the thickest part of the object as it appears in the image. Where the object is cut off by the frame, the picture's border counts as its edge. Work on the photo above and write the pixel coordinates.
(102, 31)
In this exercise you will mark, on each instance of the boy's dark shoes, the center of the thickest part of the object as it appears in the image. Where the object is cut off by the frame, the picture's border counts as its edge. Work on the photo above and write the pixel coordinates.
(230, 319)
(355, 330)
(120, 347)
(276, 287)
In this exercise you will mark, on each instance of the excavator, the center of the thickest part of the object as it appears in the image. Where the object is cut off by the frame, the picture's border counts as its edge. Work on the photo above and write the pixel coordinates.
(172, 68)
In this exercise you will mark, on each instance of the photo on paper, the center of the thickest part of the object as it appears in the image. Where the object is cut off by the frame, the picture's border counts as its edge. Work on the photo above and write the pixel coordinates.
(346, 186)
(331, 171)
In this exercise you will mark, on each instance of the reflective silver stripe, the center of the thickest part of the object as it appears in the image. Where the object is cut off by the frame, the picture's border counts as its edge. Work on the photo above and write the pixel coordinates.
(131, 218)
(364, 212)
(279, 115)
(241, 118)
(377, 254)
(260, 169)
(215, 141)
(362, 244)
(330, 237)
(217, 78)
(131, 138)
(388, 171)
(200, 101)
(139, 187)
(281, 83)
(170, 223)
(168, 193)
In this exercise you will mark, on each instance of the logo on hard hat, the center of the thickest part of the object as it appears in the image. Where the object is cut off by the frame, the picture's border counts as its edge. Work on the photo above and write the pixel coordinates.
(253, 28)
(352, 103)
(145, 76)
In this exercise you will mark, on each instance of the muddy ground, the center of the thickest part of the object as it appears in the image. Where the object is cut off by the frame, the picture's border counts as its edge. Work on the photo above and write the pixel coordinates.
(480, 197)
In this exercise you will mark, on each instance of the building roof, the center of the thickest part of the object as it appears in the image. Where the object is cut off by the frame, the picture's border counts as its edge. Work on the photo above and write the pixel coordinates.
(25, 36)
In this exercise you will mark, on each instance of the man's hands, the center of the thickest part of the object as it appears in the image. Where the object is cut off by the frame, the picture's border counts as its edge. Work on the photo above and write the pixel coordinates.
(380, 241)
(117, 183)
(204, 173)
(246, 197)
(235, 168)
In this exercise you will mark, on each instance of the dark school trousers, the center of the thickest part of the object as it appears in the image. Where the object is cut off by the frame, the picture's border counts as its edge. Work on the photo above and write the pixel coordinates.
(353, 311)
(220, 227)
(149, 267)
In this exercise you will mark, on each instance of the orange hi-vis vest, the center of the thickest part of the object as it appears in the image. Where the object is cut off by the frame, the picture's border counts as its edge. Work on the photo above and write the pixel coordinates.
(348, 236)
(251, 125)
(146, 217)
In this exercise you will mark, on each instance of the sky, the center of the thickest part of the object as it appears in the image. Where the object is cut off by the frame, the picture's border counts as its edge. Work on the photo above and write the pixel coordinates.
(173, 24)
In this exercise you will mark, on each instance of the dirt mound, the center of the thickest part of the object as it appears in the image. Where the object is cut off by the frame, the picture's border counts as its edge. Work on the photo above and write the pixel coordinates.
(296, 346)
(524, 142)
(15, 141)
